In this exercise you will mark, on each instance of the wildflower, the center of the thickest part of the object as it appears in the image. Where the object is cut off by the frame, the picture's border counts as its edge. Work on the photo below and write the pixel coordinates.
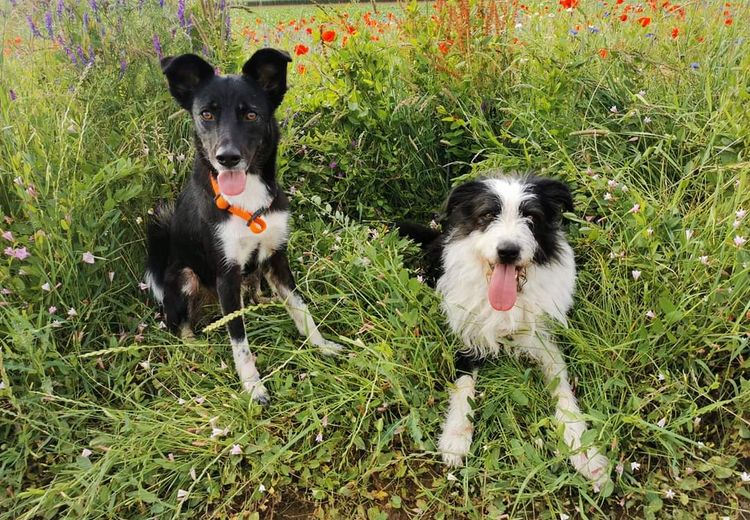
(688, 234)
(647, 120)
(603, 53)
(745, 476)
(635, 466)
(608, 196)
(675, 33)
(111, 276)
(661, 377)
(236, 450)
(88, 258)
(219, 432)
(20, 253)
(736, 224)
(739, 241)
(728, 22)
(181, 13)
(650, 314)
(328, 36)
(170, 457)
(200, 399)
(32, 27)
(619, 469)
(661, 422)
(319, 437)
(8, 235)
(704, 259)
(694, 66)
(301, 69)
(623, 18)
(48, 25)
(52, 309)
(56, 324)
(635, 273)
(451, 477)
(635, 209)
(444, 47)
(46, 287)
(181, 401)
(420, 278)
(333, 165)
(740, 214)
(573, 32)
(157, 46)
(72, 312)
(669, 494)
(563, 516)
(182, 494)
(86, 453)
(262, 488)
(644, 21)
(192, 474)
(613, 109)
(12, 94)
(301, 49)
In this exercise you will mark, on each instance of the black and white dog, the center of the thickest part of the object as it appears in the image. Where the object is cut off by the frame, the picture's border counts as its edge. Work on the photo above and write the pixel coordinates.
(503, 269)
(231, 219)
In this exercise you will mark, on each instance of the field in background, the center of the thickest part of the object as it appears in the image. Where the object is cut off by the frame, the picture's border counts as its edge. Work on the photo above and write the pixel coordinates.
(641, 107)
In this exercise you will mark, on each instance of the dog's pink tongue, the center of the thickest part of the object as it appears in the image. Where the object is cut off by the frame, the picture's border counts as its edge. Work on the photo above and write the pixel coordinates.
(231, 182)
(503, 287)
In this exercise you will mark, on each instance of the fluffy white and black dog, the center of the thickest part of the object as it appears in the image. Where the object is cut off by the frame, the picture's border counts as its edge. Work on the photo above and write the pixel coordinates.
(504, 269)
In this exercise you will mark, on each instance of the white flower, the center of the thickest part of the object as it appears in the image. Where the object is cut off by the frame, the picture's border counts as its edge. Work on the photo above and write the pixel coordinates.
(2, 385)
(324, 421)
(181, 157)
(519, 25)
(200, 400)
(145, 365)
(88, 258)
(688, 234)
(740, 213)
(170, 457)
(219, 432)
(635, 209)
(642, 93)
(696, 422)
(319, 437)
(669, 494)
(607, 196)
(739, 241)
(661, 377)
(236, 450)
(745, 476)
(139, 220)
(563, 516)
(56, 324)
(46, 287)
(451, 477)
(182, 494)
(635, 273)
(619, 469)
(704, 259)
(192, 474)
(661, 422)
(111, 276)
(650, 314)
(420, 278)
(635, 466)
(161, 325)
(262, 488)
(72, 312)
(613, 109)
(647, 120)
(86, 453)
(612, 184)
(181, 401)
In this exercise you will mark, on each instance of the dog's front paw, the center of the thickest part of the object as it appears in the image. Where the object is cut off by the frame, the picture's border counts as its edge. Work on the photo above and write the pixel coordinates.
(257, 391)
(454, 446)
(592, 465)
(329, 348)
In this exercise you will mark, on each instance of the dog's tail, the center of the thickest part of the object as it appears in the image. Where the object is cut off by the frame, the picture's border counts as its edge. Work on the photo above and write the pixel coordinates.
(422, 235)
(158, 249)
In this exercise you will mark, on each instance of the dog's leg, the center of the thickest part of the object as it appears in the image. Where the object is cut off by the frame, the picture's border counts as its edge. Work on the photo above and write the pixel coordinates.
(229, 287)
(177, 304)
(589, 463)
(458, 430)
(280, 278)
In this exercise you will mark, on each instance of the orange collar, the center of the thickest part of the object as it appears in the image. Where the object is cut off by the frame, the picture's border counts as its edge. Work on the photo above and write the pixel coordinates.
(254, 221)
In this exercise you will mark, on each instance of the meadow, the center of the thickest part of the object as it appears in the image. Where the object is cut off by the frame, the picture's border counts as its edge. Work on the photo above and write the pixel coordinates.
(644, 108)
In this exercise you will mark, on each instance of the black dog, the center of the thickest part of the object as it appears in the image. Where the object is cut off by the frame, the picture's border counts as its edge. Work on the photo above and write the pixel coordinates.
(231, 218)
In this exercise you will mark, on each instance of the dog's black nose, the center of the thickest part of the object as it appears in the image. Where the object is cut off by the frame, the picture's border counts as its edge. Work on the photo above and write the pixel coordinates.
(508, 253)
(228, 157)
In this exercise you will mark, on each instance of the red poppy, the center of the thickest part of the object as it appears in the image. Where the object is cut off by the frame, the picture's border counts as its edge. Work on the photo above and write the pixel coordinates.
(645, 21)
(620, 1)
(728, 21)
(301, 49)
(301, 68)
(351, 29)
(603, 53)
(328, 36)
(675, 33)
(308, 30)
(444, 47)
(623, 18)
(569, 4)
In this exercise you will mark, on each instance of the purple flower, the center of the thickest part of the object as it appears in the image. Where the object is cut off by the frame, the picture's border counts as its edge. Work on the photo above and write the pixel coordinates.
(650, 36)
(123, 66)
(8, 235)
(12, 94)
(228, 23)
(694, 65)
(48, 25)
(593, 30)
(572, 32)
(181, 13)
(91, 55)
(333, 164)
(60, 7)
(81, 56)
(157, 46)
(71, 55)
(161, 3)
(86, 22)
(34, 30)
(94, 7)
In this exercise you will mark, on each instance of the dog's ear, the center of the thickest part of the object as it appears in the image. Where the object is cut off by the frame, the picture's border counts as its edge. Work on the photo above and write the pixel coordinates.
(554, 195)
(268, 68)
(184, 74)
(462, 196)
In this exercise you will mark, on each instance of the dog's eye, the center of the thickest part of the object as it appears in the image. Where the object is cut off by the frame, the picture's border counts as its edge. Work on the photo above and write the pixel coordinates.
(487, 217)
(251, 116)
(207, 115)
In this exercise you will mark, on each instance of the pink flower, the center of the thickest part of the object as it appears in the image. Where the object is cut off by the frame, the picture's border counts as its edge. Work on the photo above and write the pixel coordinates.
(21, 253)
(635, 209)
(739, 241)
(650, 314)
(88, 258)
(52, 309)
(319, 437)
(8, 235)
(619, 469)
(740, 213)
(236, 450)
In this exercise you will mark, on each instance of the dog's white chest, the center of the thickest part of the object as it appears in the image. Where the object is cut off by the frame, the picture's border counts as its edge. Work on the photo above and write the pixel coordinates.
(238, 242)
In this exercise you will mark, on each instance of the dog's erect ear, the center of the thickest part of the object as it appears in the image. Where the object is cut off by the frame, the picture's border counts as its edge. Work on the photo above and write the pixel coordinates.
(554, 195)
(184, 74)
(268, 68)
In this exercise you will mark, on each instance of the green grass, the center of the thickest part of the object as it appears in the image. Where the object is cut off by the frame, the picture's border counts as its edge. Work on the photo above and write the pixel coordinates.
(355, 437)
